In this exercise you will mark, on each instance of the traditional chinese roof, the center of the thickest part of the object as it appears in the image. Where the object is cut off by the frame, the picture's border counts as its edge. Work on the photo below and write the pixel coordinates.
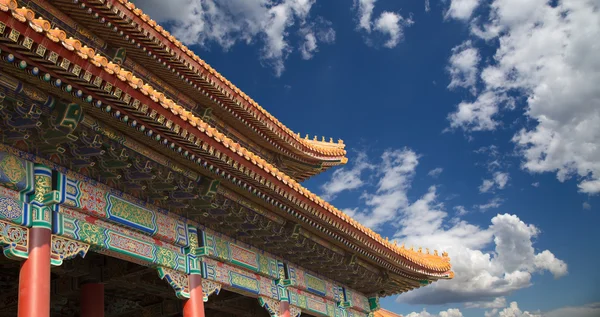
(266, 174)
(385, 313)
(230, 103)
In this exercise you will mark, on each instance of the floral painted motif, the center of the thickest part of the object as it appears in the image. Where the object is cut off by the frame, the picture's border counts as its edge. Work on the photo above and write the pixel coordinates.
(65, 248)
(315, 284)
(13, 168)
(132, 246)
(244, 282)
(91, 234)
(127, 213)
(209, 288)
(14, 240)
(243, 257)
(178, 280)
(10, 209)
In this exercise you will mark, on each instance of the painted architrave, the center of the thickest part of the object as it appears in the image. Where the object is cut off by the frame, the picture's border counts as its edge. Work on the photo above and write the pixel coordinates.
(355, 300)
(320, 306)
(222, 248)
(101, 236)
(239, 279)
(98, 200)
(102, 202)
(304, 280)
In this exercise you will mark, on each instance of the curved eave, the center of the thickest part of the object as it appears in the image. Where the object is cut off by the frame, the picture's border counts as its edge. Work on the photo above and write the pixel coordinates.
(184, 62)
(227, 150)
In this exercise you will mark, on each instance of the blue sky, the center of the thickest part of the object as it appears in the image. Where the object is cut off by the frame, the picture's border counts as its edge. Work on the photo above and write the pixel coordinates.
(471, 126)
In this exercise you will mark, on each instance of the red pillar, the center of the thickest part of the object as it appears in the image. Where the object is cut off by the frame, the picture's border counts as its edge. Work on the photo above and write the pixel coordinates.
(34, 278)
(194, 307)
(92, 300)
(284, 309)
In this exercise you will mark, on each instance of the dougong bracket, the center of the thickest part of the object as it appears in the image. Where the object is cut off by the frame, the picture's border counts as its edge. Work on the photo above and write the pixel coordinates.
(271, 305)
(14, 240)
(295, 311)
(65, 249)
(178, 280)
(209, 288)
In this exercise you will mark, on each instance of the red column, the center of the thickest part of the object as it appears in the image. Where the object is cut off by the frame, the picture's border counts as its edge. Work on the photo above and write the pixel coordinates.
(194, 307)
(284, 309)
(92, 300)
(34, 278)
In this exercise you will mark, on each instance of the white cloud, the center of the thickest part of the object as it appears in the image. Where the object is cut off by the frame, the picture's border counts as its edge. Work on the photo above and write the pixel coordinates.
(498, 302)
(204, 22)
(435, 172)
(396, 172)
(486, 185)
(390, 24)
(492, 204)
(462, 66)
(590, 310)
(587, 206)
(545, 60)
(478, 115)
(365, 11)
(346, 178)
(427, 6)
(312, 34)
(309, 46)
(489, 262)
(499, 181)
(536, 184)
(590, 186)
(480, 275)
(461, 211)
(461, 9)
(513, 310)
(452, 312)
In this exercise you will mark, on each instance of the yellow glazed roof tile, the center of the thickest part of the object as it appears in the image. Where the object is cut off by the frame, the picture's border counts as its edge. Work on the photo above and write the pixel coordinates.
(324, 150)
(385, 313)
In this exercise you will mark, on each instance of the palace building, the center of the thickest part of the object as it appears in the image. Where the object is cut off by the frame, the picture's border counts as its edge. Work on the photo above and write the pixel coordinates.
(135, 180)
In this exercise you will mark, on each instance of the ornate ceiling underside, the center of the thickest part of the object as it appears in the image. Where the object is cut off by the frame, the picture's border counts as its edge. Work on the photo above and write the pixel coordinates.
(89, 150)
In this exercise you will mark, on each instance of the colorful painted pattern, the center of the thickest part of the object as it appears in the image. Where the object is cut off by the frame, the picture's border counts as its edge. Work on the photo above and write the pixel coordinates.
(239, 279)
(178, 280)
(319, 306)
(14, 210)
(14, 240)
(221, 248)
(88, 195)
(122, 211)
(16, 173)
(315, 284)
(102, 202)
(357, 301)
(64, 249)
(123, 242)
(302, 280)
